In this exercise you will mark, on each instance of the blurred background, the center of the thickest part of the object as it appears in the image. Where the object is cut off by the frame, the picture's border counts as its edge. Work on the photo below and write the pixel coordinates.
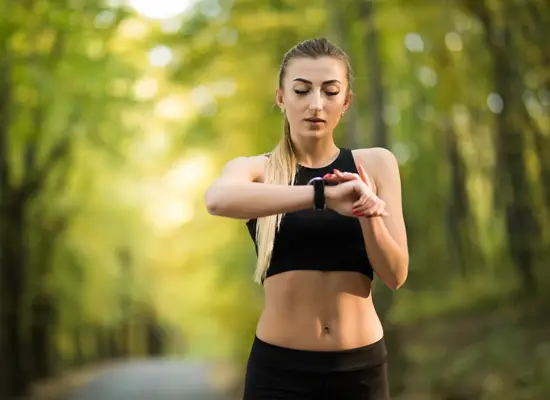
(116, 115)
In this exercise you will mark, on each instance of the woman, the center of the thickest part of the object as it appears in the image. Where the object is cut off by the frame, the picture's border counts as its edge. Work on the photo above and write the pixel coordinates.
(323, 220)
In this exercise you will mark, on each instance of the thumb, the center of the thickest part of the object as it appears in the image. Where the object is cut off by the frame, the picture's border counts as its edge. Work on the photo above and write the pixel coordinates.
(363, 175)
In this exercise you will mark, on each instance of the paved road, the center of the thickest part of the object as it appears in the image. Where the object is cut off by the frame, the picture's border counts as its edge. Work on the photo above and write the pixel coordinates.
(152, 380)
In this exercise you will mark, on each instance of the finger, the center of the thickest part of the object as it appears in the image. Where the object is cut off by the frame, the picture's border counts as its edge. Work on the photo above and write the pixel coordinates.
(381, 207)
(363, 202)
(342, 177)
(381, 211)
(373, 211)
(331, 178)
(367, 198)
(334, 178)
(367, 208)
(352, 175)
(347, 175)
(369, 212)
(378, 209)
(363, 174)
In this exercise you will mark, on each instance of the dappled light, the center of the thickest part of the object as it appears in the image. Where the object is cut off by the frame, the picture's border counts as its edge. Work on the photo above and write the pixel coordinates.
(116, 115)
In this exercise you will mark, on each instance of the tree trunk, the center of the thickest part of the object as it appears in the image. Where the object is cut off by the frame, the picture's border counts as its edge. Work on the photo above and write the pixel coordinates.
(513, 191)
(155, 337)
(42, 315)
(6, 257)
(43, 306)
(539, 13)
(511, 168)
(16, 378)
(384, 296)
(374, 72)
(457, 208)
(337, 30)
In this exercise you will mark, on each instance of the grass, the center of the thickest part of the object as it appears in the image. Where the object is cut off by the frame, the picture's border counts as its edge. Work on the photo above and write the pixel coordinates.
(485, 353)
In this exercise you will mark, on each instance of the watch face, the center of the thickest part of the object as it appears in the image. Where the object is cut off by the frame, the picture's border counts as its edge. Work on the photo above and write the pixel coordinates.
(315, 180)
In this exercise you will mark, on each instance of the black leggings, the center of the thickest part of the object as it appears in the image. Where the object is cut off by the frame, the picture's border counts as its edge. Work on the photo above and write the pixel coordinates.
(279, 373)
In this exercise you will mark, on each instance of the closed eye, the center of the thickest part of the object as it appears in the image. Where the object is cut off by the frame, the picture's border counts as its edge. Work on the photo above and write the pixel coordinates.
(302, 92)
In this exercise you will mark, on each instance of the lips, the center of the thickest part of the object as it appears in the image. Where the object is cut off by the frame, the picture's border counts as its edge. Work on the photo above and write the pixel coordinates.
(315, 120)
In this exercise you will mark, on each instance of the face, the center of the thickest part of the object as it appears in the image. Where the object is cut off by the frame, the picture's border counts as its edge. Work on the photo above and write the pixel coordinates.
(314, 95)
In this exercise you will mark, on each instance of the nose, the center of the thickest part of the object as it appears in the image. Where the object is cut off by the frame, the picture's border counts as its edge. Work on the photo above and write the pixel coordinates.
(316, 103)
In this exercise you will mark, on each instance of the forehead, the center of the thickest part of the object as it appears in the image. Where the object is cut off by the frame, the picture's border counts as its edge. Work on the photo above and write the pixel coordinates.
(316, 70)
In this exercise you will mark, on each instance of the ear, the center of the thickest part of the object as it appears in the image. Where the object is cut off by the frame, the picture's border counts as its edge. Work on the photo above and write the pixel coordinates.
(279, 98)
(348, 100)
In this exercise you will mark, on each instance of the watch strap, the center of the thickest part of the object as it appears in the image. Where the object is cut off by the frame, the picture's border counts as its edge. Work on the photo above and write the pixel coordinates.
(318, 193)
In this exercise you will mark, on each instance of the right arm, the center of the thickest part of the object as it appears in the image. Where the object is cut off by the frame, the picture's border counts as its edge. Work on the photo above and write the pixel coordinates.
(238, 193)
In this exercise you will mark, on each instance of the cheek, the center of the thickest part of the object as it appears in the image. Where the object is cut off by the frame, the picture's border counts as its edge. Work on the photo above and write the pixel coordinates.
(294, 104)
(335, 106)
(291, 102)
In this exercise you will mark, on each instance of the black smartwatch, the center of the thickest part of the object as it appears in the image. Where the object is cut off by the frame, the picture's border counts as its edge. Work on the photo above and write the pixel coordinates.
(318, 193)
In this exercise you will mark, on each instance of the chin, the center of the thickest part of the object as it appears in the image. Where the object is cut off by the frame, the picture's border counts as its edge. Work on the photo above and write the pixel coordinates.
(314, 133)
(311, 135)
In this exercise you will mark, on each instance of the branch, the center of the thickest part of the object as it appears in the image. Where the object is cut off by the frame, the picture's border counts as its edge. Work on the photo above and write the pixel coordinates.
(35, 182)
(479, 9)
(5, 97)
(31, 151)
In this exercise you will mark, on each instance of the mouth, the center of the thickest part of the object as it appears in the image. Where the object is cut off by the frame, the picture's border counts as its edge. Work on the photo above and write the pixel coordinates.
(315, 120)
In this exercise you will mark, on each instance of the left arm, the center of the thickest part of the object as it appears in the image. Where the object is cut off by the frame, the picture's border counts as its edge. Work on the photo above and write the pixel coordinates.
(386, 237)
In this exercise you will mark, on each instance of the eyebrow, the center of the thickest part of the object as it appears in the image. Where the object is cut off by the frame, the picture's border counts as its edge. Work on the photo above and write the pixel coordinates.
(324, 83)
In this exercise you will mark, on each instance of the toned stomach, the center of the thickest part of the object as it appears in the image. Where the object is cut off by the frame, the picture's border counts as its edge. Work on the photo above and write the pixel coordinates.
(322, 311)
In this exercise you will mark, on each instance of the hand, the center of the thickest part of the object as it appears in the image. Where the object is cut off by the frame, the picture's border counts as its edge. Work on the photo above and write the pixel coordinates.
(368, 204)
(342, 197)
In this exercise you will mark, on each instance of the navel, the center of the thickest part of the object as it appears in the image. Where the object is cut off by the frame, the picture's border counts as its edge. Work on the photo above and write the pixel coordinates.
(326, 330)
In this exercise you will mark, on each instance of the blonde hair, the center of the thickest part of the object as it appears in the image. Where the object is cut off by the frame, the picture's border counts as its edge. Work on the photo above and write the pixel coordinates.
(280, 168)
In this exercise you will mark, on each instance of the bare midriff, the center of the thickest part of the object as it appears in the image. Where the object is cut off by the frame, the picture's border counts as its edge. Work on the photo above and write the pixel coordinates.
(321, 311)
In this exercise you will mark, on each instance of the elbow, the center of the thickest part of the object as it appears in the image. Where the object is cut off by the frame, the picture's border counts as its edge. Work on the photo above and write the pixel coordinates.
(212, 201)
(399, 278)
(397, 283)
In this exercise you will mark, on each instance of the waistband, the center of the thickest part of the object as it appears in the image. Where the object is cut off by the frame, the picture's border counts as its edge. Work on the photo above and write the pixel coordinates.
(271, 355)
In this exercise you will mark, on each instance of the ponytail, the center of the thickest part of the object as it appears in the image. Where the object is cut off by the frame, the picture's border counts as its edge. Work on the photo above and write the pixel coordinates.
(280, 169)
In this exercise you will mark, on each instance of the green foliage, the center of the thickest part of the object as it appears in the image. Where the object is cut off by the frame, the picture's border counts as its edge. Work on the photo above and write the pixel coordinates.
(109, 156)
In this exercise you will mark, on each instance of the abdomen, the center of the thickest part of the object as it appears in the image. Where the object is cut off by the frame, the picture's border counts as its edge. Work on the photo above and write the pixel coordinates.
(315, 310)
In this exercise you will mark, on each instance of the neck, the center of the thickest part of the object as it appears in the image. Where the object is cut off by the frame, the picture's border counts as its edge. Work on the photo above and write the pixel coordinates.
(314, 152)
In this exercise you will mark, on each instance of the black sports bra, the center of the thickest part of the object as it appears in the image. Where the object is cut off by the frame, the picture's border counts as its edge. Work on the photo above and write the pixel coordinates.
(318, 240)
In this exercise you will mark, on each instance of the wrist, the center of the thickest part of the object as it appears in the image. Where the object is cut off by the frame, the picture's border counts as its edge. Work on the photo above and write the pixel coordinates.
(372, 222)
(329, 196)
(319, 197)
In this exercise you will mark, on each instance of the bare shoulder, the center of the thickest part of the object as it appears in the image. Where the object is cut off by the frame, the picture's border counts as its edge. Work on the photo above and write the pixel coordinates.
(250, 168)
(379, 156)
(378, 162)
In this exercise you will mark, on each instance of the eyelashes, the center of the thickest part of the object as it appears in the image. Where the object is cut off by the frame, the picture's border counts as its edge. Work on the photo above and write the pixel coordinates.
(302, 92)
